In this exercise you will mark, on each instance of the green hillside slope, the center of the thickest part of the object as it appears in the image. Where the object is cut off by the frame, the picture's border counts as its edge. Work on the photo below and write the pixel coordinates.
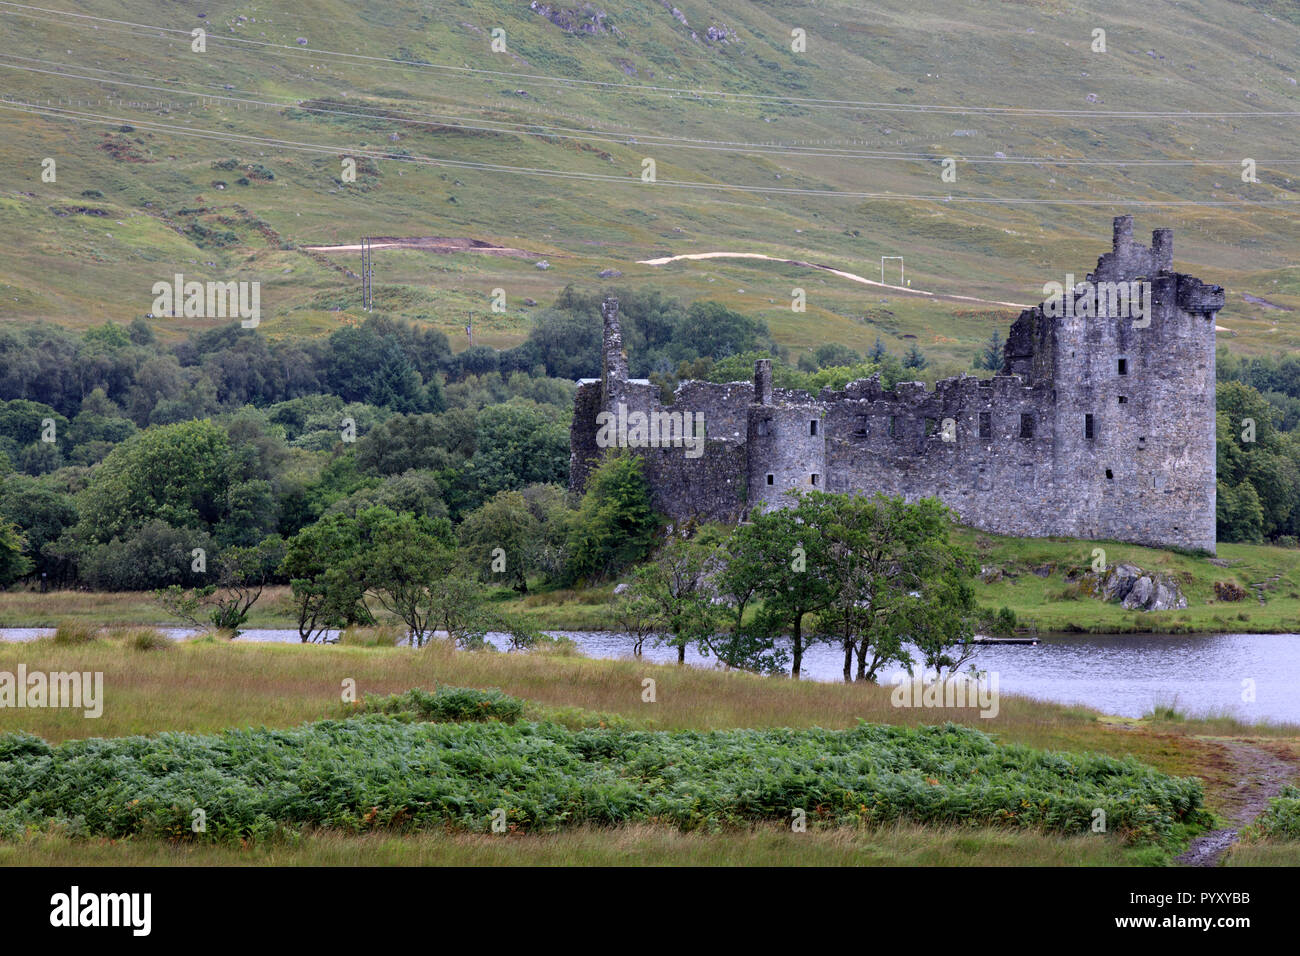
(225, 164)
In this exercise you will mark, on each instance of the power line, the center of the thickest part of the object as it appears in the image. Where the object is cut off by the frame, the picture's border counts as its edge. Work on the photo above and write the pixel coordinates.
(649, 89)
(101, 119)
(652, 139)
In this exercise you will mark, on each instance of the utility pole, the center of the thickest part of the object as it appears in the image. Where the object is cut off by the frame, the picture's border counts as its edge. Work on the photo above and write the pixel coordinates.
(367, 274)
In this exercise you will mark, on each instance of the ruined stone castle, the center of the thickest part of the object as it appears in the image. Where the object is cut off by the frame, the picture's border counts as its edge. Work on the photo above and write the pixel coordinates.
(1100, 426)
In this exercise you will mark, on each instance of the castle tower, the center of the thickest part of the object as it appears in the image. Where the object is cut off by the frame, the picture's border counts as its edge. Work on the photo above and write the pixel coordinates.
(1132, 366)
(613, 359)
(786, 444)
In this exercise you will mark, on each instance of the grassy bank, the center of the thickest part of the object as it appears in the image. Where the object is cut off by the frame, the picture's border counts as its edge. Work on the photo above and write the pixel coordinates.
(1028, 575)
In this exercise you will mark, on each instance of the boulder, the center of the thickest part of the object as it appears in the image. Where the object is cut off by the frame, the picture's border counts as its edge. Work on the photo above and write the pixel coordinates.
(1135, 590)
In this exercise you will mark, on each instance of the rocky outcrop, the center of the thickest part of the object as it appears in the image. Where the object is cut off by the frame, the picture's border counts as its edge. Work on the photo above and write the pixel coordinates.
(1136, 590)
(589, 19)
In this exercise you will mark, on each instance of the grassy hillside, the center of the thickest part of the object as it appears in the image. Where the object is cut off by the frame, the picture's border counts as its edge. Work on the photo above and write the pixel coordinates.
(226, 164)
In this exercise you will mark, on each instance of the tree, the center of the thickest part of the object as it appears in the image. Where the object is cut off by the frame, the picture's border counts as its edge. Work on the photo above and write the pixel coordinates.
(878, 351)
(710, 328)
(517, 445)
(13, 563)
(615, 525)
(845, 523)
(41, 512)
(676, 587)
(915, 358)
(633, 613)
(242, 575)
(780, 559)
(366, 366)
(834, 355)
(567, 344)
(412, 568)
(991, 357)
(499, 539)
(1252, 453)
(179, 474)
(153, 555)
(404, 442)
(906, 583)
(318, 562)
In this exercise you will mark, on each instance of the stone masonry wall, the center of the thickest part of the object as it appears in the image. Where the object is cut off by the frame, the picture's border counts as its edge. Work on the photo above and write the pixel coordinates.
(1101, 425)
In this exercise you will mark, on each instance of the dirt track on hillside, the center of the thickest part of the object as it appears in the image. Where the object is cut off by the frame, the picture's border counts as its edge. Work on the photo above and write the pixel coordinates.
(852, 277)
(444, 244)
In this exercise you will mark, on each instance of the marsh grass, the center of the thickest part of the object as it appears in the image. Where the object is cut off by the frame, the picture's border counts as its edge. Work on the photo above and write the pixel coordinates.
(141, 638)
(388, 635)
(75, 633)
(895, 844)
(206, 685)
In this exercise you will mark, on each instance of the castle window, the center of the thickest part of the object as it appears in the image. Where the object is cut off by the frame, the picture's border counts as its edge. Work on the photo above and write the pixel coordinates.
(1026, 425)
(893, 422)
(1142, 443)
(771, 479)
(812, 479)
(762, 427)
(931, 426)
(1123, 400)
(1123, 366)
(860, 425)
(812, 427)
(1087, 427)
(986, 424)
(1109, 475)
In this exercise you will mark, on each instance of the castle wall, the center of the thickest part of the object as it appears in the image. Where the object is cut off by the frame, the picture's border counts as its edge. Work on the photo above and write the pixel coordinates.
(1101, 426)
(583, 452)
(787, 448)
(982, 447)
(725, 407)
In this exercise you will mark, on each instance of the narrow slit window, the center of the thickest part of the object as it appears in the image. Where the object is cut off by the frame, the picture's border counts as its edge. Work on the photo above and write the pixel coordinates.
(893, 426)
(812, 427)
(1026, 425)
(1110, 475)
(771, 479)
(812, 479)
(1087, 427)
(1123, 366)
(762, 427)
(986, 424)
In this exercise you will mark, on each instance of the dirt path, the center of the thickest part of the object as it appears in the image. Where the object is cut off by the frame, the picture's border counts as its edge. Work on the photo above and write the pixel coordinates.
(1255, 774)
(429, 244)
(852, 277)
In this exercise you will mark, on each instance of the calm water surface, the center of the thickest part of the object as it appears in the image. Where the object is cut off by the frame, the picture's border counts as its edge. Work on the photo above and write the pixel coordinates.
(1125, 674)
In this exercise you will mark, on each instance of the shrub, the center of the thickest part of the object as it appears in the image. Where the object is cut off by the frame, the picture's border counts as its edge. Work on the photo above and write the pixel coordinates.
(1228, 591)
(376, 772)
(449, 704)
(145, 639)
(75, 632)
(1281, 820)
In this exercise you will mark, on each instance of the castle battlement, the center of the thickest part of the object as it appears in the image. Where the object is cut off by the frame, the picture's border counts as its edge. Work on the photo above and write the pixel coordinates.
(1101, 424)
